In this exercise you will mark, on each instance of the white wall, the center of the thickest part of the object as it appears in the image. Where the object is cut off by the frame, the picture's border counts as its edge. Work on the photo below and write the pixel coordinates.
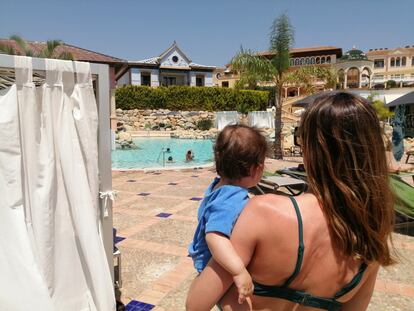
(155, 81)
(208, 78)
(135, 76)
(124, 80)
(168, 62)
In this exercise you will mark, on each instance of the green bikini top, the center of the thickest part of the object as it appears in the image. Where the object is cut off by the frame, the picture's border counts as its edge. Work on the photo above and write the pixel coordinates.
(302, 297)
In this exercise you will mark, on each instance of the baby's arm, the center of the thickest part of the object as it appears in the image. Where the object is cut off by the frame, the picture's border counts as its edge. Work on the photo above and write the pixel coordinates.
(223, 252)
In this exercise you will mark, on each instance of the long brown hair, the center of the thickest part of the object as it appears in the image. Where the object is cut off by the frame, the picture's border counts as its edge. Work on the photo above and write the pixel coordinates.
(344, 157)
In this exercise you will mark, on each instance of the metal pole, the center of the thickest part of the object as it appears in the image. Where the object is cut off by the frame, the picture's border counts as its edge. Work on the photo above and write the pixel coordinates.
(163, 157)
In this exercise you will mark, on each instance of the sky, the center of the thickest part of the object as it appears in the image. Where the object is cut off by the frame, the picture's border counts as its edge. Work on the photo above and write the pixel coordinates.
(209, 32)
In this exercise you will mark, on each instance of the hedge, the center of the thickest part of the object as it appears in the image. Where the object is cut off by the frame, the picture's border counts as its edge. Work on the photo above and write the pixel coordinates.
(190, 98)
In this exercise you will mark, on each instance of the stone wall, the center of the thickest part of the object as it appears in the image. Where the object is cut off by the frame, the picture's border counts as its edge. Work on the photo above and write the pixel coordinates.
(163, 120)
(181, 124)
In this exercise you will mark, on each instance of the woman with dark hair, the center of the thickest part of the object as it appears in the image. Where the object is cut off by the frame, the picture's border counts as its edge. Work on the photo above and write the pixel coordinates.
(323, 249)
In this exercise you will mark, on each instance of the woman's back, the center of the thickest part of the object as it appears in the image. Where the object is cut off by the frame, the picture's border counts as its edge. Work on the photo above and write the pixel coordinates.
(323, 270)
(347, 220)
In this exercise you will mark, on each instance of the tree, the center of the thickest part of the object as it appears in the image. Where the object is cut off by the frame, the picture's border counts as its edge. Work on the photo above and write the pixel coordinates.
(383, 112)
(49, 51)
(254, 68)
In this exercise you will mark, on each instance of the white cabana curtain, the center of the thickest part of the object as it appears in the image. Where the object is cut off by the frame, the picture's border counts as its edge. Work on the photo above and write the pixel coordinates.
(52, 256)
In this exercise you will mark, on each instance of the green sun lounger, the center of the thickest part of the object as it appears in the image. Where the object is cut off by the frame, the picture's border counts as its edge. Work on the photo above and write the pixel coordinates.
(404, 192)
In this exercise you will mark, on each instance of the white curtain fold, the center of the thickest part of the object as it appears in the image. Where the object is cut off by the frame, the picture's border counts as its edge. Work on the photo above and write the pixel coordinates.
(49, 170)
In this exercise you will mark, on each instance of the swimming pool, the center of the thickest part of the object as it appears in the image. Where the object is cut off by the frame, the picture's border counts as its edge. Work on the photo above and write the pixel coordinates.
(150, 153)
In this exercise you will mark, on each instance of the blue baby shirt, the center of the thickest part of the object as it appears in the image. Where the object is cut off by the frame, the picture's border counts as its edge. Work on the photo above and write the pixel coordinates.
(218, 212)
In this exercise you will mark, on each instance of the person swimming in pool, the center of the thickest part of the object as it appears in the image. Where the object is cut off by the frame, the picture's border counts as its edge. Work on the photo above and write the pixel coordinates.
(189, 156)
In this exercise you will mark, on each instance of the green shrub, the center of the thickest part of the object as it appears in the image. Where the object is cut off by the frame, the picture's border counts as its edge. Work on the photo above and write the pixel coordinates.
(204, 124)
(189, 98)
(391, 84)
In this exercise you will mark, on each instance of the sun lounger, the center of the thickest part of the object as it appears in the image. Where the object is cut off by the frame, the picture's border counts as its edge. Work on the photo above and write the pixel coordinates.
(273, 183)
(409, 153)
(404, 194)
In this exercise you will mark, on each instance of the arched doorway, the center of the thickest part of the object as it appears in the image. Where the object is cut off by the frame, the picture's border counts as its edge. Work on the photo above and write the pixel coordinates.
(366, 77)
(352, 78)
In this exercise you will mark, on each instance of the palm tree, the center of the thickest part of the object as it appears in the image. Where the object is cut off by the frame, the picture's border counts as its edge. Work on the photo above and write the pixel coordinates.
(249, 65)
(21, 43)
(49, 51)
(254, 68)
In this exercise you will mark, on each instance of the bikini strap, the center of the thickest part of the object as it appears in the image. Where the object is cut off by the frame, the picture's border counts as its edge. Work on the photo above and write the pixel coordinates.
(301, 247)
(354, 282)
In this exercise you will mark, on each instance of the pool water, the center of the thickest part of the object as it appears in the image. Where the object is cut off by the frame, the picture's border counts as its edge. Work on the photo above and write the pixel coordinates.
(150, 153)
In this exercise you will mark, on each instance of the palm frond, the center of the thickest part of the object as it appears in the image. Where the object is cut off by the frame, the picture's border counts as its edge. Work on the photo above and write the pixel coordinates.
(24, 47)
(281, 39)
(7, 49)
(252, 68)
(49, 50)
(66, 55)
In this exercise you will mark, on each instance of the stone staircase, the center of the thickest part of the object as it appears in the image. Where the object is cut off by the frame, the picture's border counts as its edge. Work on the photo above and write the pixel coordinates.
(287, 113)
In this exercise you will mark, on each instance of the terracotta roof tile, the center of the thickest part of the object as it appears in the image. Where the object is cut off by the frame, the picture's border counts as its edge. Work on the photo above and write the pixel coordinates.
(299, 50)
(374, 52)
(78, 53)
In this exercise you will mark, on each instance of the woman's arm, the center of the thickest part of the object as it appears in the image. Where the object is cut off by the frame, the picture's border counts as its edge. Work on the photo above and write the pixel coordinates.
(208, 288)
(360, 301)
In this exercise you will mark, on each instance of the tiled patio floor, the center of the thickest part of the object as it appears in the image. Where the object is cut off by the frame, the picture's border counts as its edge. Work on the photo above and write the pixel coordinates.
(155, 267)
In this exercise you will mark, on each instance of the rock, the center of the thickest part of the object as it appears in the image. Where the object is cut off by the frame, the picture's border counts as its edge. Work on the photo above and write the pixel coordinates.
(129, 128)
(119, 110)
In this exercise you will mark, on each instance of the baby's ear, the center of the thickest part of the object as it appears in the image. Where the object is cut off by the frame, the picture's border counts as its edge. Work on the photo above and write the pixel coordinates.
(253, 170)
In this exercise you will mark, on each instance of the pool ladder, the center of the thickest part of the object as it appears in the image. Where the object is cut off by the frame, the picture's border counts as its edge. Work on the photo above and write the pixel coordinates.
(163, 151)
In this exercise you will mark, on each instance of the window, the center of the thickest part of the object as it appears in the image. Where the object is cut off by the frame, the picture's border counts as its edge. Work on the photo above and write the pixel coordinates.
(167, 81)
(313, 60)
(145, 79)
(393, 62)
(378, 63)
(398, 62)
(291, 62)
(199, 81)
(297, 61)
(403, 61)
(175, 58)
(323, 60)
(328, 60)
(225, 84)
(318, 60)
(302, 61)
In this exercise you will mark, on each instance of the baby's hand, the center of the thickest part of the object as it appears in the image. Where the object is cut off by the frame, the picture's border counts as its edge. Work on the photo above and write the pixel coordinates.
(244, 284)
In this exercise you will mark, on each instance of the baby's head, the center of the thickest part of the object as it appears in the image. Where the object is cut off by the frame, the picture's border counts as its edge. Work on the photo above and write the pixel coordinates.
(239, 153)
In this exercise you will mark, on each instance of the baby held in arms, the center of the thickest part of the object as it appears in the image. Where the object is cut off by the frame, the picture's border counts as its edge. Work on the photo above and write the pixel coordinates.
(239, 155)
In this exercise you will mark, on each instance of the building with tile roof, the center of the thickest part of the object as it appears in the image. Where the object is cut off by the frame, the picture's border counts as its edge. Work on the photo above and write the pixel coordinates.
(79, 54)
(395, 64)
(323, 56)
(172, 67)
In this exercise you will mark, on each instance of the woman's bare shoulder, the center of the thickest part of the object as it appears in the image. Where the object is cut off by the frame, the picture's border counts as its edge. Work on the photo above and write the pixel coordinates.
(267, 203)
